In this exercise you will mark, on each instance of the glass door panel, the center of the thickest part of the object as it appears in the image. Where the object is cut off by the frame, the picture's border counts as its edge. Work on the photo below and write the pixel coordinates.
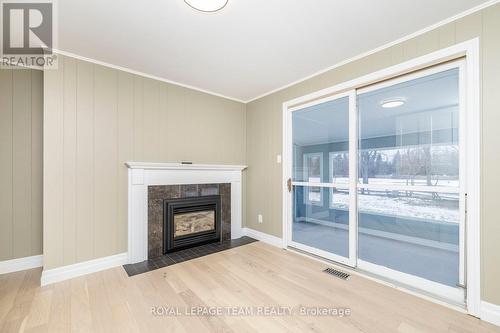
(415, 233)
(409, 217)
(321, 225)
(320, 175)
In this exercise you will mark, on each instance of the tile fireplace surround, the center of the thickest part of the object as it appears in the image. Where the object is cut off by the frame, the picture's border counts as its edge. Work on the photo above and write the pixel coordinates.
(142, 175)
(158, 193)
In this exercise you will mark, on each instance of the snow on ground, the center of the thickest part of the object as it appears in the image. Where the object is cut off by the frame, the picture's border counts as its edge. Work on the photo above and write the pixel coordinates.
(413, 207)
(391, 181)
(419, 205)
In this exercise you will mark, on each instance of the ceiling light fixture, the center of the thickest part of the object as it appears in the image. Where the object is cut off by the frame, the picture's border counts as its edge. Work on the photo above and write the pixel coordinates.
(207, 6)
(392, 103)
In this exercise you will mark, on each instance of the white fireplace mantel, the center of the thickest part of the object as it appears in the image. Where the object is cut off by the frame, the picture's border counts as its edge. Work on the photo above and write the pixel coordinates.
(181, 166)
(144, 174)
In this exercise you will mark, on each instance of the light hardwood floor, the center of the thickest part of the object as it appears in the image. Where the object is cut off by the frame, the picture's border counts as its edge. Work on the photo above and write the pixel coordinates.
(251, 276)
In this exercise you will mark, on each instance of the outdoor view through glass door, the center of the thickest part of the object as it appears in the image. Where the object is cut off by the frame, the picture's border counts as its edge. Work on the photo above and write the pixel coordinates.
(321, 213)
(395, 206)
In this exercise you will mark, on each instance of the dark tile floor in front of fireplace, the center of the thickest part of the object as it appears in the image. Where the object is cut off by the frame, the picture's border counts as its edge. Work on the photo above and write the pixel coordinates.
(184, 255)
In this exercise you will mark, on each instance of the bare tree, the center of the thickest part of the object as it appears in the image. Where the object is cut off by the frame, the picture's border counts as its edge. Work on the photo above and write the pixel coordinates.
(367, 158)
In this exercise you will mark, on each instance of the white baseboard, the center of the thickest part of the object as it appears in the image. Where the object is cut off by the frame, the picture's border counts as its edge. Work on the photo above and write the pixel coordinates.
(490, 313)
(20, 264)
(83, 268)
(263, 237)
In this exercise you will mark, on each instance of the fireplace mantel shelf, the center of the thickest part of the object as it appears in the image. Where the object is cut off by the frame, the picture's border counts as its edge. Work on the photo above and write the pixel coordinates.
(181, 166)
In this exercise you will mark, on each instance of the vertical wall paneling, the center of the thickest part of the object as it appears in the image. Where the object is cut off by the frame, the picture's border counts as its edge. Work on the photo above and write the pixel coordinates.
(69, 159)
(6, 202)
(85, 222)
(36, 161)
(53, 189)
(21, 146)
(96, 119)
(125, 150)
(105, 160)
(21, 112)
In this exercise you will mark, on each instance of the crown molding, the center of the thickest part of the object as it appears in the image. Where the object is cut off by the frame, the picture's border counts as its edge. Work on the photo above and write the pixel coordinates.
(142, 74)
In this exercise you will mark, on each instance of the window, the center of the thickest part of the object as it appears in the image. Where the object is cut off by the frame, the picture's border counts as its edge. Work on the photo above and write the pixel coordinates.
(339, 176)
(313, 173)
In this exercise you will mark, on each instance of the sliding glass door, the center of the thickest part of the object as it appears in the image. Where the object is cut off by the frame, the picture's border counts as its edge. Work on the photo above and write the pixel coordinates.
(409, 177)
(378, 179)
(321, 178)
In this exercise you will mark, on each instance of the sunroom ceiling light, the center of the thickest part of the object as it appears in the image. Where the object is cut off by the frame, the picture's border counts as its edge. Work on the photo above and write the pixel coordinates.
(207, 6)
(392, 103)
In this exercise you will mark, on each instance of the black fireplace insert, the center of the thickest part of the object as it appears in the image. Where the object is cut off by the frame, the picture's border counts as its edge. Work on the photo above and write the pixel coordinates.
(189, 222)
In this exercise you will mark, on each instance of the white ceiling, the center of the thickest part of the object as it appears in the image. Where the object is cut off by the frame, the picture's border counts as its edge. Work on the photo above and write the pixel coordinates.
(249, 48)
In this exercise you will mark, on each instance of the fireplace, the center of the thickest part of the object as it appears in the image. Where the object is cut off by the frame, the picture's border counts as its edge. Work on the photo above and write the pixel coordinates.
(149, 184)
(189, 222)
(187, 214)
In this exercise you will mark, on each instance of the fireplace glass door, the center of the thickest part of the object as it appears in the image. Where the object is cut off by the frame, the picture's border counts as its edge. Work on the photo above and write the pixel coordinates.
(186, 224)
(190, 222)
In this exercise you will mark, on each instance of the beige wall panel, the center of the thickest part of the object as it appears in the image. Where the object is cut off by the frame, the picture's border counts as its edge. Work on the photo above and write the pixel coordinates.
(379, 60)
(447, 35)
(152, 126)
(164, 119)
(138, 119)
(176, 122)
(397, 54)
(125, 151)
(409, 49)
(258, 137)
(235, 132)
(21, 190)
(6, 227)
(490, 155)
(69, 160)
(199, 125)
(36, 162)
(469, 27)
(201, 142)
(53, 187)
(21, 155)
(276, 170)
(85, 162)
(428, 42)
(105, 161)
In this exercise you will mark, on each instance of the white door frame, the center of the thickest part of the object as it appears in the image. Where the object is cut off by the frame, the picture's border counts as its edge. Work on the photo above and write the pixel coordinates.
(468, 50)
(454, 294)
(351, 260)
